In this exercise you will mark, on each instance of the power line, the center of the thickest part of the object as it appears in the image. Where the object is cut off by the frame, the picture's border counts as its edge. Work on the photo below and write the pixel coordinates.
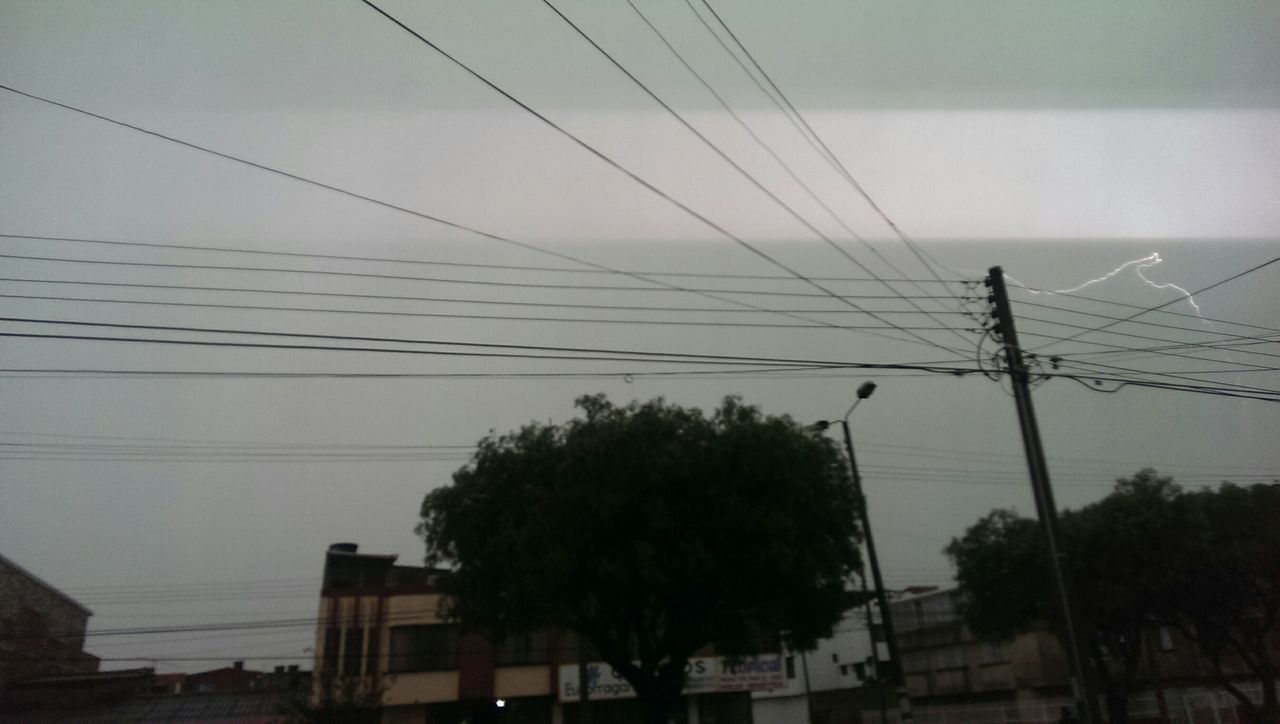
(772, 374)
(761, 142)
(1123, 381)
(1162, 351)
(446, 315)
(1166, 351)
(580, 287)
(425, 262)
(1075, 467)
(216, 444)
(741, 309)
(1127, 305)
(1230, 371)
(628, 355)
(1129, 372)
(139, 586)
(1017, 461)
(811, 136)
(402, 209)
(746, 127)
(628, 173)
(653, 357)
(729, 160)
(1232, 344)
(438, 280)
(1202, 290)
(1147, 323)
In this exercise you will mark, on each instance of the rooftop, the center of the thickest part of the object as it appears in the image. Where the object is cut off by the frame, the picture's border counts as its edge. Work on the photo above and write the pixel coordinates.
(43, 584)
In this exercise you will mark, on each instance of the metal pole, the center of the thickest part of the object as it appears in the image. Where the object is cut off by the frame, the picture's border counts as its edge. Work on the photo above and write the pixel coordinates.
(895, 659)
(1082, 690)
(584, 681)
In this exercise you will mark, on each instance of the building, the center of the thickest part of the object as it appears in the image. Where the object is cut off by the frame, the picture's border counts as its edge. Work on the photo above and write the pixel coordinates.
(42, 629)
(946, 666)
(954, 676)
(228, 678)
(380, 640)
(831, 684)
(230, 695)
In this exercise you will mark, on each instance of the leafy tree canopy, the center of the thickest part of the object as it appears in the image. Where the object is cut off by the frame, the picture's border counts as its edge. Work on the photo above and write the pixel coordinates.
(1148, 554)
(653, 530)
(1228, 598)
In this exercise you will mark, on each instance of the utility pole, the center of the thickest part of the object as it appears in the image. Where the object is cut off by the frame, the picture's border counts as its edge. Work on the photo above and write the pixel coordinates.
(808, 689)
(584, 680)
(1081, 685)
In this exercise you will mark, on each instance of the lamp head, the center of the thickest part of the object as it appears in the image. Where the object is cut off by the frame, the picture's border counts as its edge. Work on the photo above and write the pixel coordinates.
(865, 390)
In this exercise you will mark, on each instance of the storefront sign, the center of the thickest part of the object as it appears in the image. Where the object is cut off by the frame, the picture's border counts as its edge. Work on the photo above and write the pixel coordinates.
(702, 676)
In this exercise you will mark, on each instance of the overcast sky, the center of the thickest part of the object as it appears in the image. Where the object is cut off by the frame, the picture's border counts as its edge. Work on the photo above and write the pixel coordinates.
(1057, 141)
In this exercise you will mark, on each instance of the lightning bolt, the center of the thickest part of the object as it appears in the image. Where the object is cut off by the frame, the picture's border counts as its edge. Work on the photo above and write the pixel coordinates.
(1139, 266)
(1170, 285)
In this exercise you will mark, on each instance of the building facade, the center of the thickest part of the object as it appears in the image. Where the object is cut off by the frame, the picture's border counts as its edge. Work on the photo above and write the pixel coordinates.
(954, 676)
(380, 640)
(42, 629)
(945, 664)
(140, 695)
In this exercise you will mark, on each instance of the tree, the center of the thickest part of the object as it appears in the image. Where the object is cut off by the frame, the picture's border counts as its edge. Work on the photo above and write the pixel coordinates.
(335, 699)
(1120, 551)
(652, 531)
(1228, 600)
(1149, 554)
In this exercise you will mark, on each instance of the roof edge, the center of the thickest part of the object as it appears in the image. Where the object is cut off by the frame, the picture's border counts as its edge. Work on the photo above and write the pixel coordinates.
(46, 585)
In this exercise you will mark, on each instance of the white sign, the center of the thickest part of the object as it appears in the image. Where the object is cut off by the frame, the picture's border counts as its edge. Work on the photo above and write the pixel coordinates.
(702, 676)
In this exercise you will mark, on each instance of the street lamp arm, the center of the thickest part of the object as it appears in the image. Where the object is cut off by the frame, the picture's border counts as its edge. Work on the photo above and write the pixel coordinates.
(850, 411)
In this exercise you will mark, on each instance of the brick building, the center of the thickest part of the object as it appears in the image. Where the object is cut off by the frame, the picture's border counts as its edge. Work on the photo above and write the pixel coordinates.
(42, 629)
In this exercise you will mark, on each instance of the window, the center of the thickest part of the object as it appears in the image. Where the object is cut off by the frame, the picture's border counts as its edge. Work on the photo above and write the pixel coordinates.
(860, 671)
(423, 648)
(994, 652)
(791, 667)
(905, 614)
(915, 661)
(353, 652)
(937, 610)
(948, 657)
(844, 669)
(523, 649)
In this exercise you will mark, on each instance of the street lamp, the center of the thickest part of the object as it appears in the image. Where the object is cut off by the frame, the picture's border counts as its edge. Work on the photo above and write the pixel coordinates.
(895, 666)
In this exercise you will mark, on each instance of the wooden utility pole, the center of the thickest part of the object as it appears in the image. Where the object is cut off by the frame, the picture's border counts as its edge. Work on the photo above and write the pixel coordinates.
(1081, 684)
